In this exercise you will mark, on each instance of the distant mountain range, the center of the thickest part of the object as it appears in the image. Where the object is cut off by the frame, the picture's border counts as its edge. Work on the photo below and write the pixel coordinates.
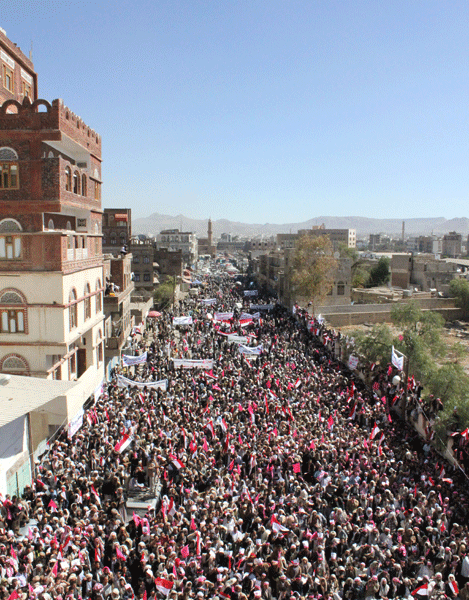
(364, 226)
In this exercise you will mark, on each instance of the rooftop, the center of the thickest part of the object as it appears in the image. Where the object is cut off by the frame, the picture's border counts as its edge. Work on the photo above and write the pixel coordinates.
(20, 395)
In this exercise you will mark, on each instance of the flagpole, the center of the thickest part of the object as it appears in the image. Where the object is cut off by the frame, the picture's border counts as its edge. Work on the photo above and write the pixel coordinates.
(406, 377)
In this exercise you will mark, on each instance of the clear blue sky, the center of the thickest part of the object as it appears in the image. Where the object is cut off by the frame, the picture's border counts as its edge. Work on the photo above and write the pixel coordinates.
(264, 110)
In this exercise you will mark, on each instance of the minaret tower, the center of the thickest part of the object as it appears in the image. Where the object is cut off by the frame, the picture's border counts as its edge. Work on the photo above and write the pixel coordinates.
(209, 233)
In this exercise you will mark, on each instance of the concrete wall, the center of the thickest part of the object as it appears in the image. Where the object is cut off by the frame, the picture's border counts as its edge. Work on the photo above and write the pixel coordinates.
(358, 314)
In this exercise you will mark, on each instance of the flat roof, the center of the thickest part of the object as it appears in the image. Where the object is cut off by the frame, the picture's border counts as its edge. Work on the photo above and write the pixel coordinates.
(21, 395)
(458, 261)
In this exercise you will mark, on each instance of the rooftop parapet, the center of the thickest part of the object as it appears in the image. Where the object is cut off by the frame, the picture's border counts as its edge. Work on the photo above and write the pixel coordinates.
(42, 115)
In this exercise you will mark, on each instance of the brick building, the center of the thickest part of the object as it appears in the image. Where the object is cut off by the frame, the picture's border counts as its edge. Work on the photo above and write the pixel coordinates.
(143, 263)
(18, 78)
(117, 229)
(452, 244)
(51, 274)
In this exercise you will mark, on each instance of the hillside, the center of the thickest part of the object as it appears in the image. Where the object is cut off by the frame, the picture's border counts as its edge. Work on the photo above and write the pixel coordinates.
(363, 225)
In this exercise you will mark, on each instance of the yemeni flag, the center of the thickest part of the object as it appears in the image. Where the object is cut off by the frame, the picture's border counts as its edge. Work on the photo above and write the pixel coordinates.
(330, 422)
(353, 411)
(171, 507)
(185, 551)
(374, 431)
(120, 554)
(177, 463)
(95, 493)
(163, 585)
(123, 443)
(210, 427)
(454, 587)
(276, 526)
(422, 590)
(297, 468)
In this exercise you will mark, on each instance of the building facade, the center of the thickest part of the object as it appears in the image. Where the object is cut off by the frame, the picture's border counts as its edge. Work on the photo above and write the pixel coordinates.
(144, 266)
(452, 244)
(185, 241)
(18, 78)
(117, 229)
(51, 275)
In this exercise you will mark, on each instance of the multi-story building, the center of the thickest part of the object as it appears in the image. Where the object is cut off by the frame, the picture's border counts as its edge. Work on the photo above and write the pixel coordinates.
(348, 237)
(375, 240)
(143, 263)
(422, 271)
(170, 263)
(117, 229)
(51, 273)
(206, 245)
(173, 239)
(18, 78)
(452, 243)
(117, 306)
(429, 244)
(258, 246)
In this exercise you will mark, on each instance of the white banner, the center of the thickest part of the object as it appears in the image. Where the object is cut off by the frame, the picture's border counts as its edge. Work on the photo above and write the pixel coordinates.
(129, 361)
(125, 382)
(237, 339)
(75, 424)
(247, 350)
(397, 361)
(209, 300)
(225, 316)
(250, 292)
(352, 362)
(182, 321)
(261, 306)
(193, 364)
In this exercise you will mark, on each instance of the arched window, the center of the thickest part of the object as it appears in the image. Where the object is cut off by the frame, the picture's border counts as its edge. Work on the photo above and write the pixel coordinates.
(73, 311)
(113, 238)
(68, 179)
(84, 187)
(50, 224)
(9, 178)
(99, 347)
(76, 182)
(99, 297)
(12, 312)
(341, 288)
(15, 364)
(87, 302)
(10, 225)
(10, 244)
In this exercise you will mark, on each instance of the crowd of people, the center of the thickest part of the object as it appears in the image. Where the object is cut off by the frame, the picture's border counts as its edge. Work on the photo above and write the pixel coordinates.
(278, 475)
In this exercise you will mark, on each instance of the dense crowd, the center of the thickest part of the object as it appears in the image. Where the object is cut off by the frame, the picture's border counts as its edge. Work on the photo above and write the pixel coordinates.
(279, 476)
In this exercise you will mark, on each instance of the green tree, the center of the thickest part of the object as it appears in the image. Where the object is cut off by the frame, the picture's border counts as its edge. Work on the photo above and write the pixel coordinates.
(374, 346)
(360, 272)
(420, 339)
(164, 293)
(380, 274)
(313, 268)
(459, 288)
(436, 365)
